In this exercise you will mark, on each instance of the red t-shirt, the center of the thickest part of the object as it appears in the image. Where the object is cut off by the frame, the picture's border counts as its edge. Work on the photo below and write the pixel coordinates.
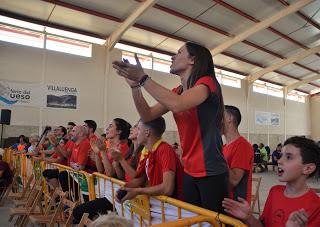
(123, 147)
(91, 165)
(239, 154)
(80, 152)
(200, 137)
(278, 207)
(127, 178)
(158, 162)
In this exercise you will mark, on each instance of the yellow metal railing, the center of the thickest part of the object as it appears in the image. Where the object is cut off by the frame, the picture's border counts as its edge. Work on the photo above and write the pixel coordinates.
(143, 210)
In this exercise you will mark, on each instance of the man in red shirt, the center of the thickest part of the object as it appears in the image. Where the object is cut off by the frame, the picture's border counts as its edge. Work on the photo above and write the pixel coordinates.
(91, 126)
(162, 170)
(78, 159)
(238, 153)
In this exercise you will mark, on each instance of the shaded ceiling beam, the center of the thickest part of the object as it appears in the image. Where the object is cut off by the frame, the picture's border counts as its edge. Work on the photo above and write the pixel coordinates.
(117, 34)
(293, 58)
(115, 19)
(302, 15)
(243, 14)
(220, 31)
(261, 25)
(302, 82)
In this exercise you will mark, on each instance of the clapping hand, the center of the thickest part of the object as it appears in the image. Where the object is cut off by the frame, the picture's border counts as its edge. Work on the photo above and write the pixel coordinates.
(97, 145)
(237, 209)
(297, 219)
(133, 73)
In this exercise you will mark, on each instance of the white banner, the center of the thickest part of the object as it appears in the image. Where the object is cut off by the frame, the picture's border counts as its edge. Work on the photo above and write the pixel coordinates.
(21, 94)
(267, 118)
(59, 96)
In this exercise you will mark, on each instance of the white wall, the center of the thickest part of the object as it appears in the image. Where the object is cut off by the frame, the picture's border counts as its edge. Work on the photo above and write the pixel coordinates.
(315, 117)
(20, 63)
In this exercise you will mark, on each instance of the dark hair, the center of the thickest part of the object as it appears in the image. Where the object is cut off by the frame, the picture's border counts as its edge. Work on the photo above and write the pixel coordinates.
(134, 155)
(103, 135)
(255, 146)
(91, 124)
(63, 129)
(23, 137)
(235, 112)
(71, 123)
(309, 151)
(158, 126)
(203, 66)
(124, 127)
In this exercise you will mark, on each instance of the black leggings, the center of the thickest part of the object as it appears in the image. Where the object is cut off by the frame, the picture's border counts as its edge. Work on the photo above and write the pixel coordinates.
(93, 208)
(206, 192)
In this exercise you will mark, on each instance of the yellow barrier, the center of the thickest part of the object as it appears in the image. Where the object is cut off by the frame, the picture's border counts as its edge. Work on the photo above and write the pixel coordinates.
(157, 209)
(143, 210)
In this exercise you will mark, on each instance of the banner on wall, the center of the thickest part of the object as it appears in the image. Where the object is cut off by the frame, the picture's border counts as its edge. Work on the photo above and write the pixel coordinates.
(267, 118)
(62, 96)
(21, 94)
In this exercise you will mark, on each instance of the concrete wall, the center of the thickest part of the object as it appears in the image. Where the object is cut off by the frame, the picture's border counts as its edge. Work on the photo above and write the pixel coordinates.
(94, 75)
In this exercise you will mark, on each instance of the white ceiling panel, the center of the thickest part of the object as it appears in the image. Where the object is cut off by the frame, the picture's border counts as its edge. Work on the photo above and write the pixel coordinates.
(33, 8)
(261, 57)
(282, 47)
(188, 7)
(260, 9)
(306, 35)
(121, 8)
(264, 37)
(222, 60)
(201, 35)
(310, 59)
(171, 45)
(289, 24)
(241, 66)
(162, 21)
(307, 87)
(232, 23)
(76, 19)
(294, 70)
(240, 49)
(311, 9)
(143, 37)
(314, 65)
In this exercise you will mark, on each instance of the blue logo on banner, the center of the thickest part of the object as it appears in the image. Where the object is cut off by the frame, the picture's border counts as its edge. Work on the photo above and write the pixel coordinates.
(6, 101)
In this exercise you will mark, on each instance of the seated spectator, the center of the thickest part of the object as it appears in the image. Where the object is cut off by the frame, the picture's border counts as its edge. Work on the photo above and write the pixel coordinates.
(69, 128)
(276, 155)
(264, 156)
(117, 134)
(111, 220)
(92, 126)
(238, 153)
(162, 170)
(78, 160)
(6, 175)
(256, 154)
(21, 144)
(292, 204)
(57, 134)
(33, 139)
(128, 164)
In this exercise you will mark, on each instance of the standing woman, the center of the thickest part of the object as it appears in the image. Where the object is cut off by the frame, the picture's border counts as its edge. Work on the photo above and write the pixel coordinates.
(197, 107)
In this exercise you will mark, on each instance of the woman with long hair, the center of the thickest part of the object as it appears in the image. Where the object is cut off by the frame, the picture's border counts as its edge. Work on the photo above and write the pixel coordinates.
(117, 133)
(125, 168)
(197, 106)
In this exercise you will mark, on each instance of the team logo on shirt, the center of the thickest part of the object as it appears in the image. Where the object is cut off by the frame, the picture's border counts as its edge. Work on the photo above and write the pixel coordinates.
(279, 216)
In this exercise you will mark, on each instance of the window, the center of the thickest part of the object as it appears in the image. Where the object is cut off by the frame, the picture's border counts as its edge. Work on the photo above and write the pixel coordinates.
(297, 96)
(277, 91)
(21, 36)
(161, 65)
(68, 46)
(29, 34)
(228, 78)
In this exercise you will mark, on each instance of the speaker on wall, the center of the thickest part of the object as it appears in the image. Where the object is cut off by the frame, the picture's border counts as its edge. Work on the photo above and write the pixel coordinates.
(5, 116)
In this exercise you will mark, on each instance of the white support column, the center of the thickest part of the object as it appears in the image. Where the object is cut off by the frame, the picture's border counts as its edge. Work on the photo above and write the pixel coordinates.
(43, 80)
(106, 84)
